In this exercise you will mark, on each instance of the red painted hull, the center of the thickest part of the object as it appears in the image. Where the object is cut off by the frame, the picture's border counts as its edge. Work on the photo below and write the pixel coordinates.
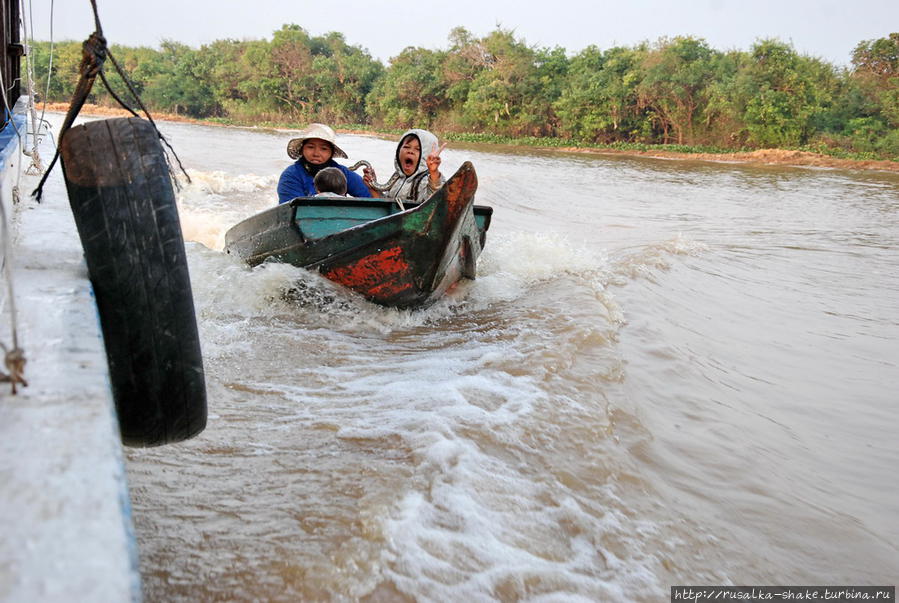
(394, 258)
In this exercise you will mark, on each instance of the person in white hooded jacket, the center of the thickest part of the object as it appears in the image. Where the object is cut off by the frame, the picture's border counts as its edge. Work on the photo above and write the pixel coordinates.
(417, 163)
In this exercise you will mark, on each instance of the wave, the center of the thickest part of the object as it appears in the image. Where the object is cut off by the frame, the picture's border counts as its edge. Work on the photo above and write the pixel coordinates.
(212, 202)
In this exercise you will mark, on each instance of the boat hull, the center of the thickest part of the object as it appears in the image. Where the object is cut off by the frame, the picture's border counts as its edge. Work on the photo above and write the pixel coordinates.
(399, 258)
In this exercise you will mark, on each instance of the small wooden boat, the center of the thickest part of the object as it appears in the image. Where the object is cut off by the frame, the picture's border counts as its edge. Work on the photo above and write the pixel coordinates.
(393, 256)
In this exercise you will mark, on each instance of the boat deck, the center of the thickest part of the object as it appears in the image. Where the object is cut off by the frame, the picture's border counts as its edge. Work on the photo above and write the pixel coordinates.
(64, 506)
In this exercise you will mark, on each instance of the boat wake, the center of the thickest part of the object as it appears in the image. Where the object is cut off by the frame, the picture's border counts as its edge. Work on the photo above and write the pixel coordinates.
(214, 201)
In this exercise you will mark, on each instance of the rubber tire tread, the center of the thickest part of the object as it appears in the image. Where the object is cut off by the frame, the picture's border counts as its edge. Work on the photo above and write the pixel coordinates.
(121, 196)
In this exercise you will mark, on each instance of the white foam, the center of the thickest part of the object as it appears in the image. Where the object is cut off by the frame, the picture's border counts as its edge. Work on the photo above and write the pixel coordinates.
(481, 527)
(212, 202)
(479, 518)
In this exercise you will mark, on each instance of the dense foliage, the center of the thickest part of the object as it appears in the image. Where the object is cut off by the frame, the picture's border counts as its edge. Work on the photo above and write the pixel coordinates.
(674, 91)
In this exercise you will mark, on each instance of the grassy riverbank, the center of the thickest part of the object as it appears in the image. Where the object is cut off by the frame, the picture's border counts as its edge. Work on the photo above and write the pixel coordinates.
(818, 157)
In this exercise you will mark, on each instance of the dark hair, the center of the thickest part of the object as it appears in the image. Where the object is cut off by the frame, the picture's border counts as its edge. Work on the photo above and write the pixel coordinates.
(330, 180)
(403, 140)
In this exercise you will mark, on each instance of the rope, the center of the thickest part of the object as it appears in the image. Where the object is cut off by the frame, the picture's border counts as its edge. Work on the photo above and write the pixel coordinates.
(15, 363)
(140, 103)
(50, 64)
(94, 52)
(14, 359)
(35, 167)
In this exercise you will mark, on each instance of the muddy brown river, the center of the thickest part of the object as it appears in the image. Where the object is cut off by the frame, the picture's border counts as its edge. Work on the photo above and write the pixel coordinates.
(666, 372)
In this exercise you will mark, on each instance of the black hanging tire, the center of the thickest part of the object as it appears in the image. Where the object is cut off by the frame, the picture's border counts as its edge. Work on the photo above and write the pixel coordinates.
(127, 218)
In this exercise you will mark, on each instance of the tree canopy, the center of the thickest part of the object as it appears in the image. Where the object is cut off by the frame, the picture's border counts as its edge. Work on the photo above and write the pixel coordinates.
(676, 90)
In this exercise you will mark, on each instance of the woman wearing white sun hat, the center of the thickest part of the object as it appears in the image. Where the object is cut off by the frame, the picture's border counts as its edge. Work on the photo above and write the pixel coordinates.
(314, 149)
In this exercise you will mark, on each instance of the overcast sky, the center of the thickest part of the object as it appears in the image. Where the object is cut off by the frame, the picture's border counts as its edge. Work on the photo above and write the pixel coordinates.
(828, 29)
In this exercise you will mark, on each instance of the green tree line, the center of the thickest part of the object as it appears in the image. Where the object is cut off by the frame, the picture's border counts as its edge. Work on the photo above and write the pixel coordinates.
(673, 91)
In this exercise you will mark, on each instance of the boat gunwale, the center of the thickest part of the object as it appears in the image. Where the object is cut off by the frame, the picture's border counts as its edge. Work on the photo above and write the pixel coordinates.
(484, 210)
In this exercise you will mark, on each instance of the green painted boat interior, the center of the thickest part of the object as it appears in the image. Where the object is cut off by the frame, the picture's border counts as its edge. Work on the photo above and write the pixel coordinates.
(317, 221)
(321, 219)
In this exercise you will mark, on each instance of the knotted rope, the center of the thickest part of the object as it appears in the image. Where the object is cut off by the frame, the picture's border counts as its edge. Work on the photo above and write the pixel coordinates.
(93, 55)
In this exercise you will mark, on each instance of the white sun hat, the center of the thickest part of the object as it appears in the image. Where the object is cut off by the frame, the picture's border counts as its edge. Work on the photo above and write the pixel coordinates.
(294, 147)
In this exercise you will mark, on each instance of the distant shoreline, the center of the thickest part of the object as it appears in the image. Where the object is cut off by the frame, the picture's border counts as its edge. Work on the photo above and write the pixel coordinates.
(759, 157)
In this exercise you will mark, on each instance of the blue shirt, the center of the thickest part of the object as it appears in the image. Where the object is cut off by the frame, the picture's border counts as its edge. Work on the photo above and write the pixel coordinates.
(296, 182)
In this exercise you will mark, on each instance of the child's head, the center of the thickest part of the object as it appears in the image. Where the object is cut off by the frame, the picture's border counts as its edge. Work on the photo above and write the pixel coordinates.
(408, 154)
(330, 180)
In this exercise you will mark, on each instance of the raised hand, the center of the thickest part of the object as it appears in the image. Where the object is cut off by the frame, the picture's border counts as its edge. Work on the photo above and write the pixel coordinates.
(433, 161)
